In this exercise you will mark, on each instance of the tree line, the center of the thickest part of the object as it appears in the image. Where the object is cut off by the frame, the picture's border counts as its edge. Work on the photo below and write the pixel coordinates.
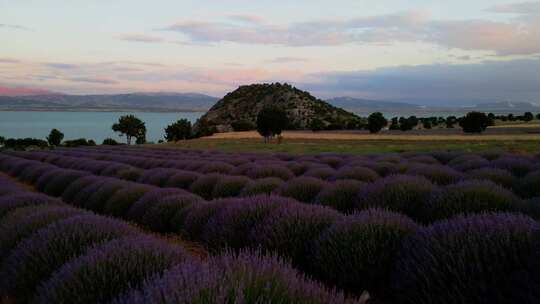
(270, 123)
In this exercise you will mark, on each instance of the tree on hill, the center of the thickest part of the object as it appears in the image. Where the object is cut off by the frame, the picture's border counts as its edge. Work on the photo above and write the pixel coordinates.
(451, 121)
(538, 116)
(179, 130)
(130, 126)
(316, 125)
(474, 122)
(271, 121)
(55, 137)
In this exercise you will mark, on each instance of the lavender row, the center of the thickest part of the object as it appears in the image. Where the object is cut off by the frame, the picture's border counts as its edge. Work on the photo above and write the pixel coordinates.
(366, 251)
(53, 253)
(413, 195)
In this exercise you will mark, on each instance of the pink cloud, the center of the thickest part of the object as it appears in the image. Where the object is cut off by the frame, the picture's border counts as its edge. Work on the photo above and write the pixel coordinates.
(23, 91)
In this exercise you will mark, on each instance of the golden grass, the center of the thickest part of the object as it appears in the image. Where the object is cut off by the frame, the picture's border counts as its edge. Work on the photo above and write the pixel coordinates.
(308, 135)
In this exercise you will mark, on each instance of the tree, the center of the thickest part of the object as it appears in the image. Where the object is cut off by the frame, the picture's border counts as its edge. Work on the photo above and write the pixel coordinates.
(427, 124)
(55, 137)
(130, 126)
(316, 125)
(109, 142)
(451, 121)
(394, 124)
(179, 130)
(2, 140)
(538, 116)
(474, 122)
(271, 121)
(376, 122)
(528, 116)
(242, 125)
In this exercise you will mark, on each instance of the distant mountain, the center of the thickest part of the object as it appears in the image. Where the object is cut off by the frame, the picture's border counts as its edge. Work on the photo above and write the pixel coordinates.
(160, 102)
(507, 107)
(358, 105)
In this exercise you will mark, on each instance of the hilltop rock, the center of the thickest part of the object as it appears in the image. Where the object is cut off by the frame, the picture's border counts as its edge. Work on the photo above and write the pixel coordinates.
(243, 105)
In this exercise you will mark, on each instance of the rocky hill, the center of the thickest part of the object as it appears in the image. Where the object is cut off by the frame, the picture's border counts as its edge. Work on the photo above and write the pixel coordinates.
(302, 108)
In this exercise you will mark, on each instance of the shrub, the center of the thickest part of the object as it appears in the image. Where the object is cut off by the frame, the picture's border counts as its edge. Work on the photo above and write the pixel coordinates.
(197, 216)
(204, 185)
(80, 198)
(231, 224)
(474, 122)
(358, 173)
(401, 193)
(122, 200)
(518, 166)
(290, 230)
(229, 186)
(159, 216)
(230, 278)
(141, 206)
(468, 162)
(465, 260)
(270, 171)
(109, 142)
(23, 222)
(109, 270)
(529, 186)
(342, 195)
(46, 178)
(37, 257)
(157, 177)
(358, 252)
(131, 174)
(498, 176)
(298, 168)
(471, 197)
(96, 202)
(59, 183)
(16, 200)
(182, 179)
(320, 173)
(385, 168)
(77, 186)
(303, 189)
(261, 186)
(441, 175)
(32, 173)
(217, 167)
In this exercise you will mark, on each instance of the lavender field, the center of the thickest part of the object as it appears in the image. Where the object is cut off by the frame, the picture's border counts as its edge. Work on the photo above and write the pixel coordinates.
(145, 225)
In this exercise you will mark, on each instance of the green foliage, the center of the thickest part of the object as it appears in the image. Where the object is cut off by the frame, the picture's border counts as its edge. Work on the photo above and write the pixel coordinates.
(451, 121)
(79, 142)
(24, 143)
(243, 125)
(376, 122)
(204, 128)
(179, 130)
(316, 125)
(131, 126)
(528, 116)
(55, 137)
(474, 122)
(109, 142)
(271, 121)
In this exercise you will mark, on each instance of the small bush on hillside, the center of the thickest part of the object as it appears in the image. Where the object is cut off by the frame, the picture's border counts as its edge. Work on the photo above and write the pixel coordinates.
(204, 185)
(262, 186)
(357, 173)
(303, 189)
(230, 186)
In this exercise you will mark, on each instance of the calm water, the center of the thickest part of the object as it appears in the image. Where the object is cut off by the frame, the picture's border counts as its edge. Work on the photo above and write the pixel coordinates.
(94, 125)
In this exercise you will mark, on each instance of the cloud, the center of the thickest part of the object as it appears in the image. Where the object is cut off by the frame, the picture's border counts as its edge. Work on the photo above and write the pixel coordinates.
(61, 66)
(8, 60)
(524, 8)
(518, 36)
(437, 84)
(14, 27)
(94, 80)
(22, 91)
(141, 38)
(286, 60)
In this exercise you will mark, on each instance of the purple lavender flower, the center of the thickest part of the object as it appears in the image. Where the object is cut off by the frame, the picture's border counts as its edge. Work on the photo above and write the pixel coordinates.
(109, 270)
(465, 260)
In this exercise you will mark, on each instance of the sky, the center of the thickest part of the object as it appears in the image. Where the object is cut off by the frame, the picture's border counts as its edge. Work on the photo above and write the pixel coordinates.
(429, 52)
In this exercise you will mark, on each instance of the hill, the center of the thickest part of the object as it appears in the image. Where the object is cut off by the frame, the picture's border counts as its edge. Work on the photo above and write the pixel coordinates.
(159, 102)
(243, 105)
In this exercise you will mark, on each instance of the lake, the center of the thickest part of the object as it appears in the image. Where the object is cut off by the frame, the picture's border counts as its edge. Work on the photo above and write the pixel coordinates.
(90, 125)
